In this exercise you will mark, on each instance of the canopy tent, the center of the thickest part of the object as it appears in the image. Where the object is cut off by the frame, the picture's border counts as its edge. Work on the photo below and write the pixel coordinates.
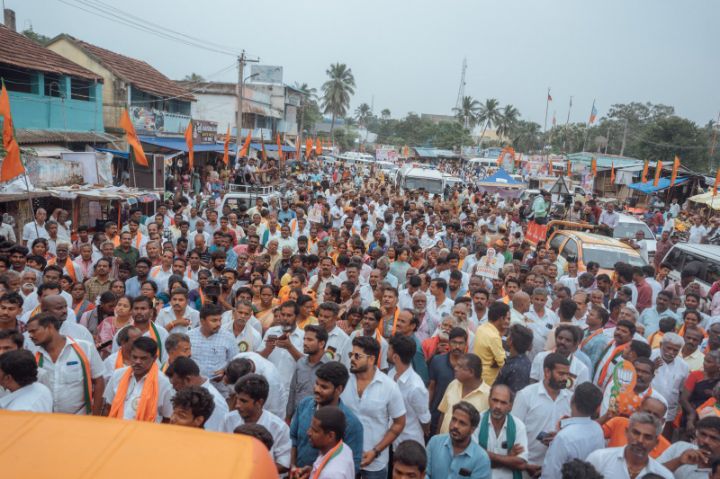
(502, 184)
(178, 144)
(663, 183)
(707, 199)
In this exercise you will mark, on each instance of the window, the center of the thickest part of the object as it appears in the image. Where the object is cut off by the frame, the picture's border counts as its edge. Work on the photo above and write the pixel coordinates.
(19, 79)
(557, 241)
(54, 85)
(81, 89)
(675, 259)
(570, 250)
(711, 273)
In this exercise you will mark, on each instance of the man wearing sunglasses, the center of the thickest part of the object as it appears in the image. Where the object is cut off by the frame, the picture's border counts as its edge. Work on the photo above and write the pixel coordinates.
(381, 404)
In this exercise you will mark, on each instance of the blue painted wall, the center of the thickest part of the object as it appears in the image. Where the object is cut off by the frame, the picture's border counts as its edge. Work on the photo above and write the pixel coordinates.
(40, 112)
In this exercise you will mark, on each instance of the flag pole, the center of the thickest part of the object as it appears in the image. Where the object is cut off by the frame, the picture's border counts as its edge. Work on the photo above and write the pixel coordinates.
(567, 121)
(547, 104)
(587, 130)
(27, 188)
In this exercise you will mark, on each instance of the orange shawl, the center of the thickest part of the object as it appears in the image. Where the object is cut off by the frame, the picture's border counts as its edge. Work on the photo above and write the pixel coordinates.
(147, 406)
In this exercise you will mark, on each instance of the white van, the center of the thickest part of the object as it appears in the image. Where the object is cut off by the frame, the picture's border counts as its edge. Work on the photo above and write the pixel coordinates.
(474, 163)
(243, 197)
(629, 225)
(703, 258)
(415, 177)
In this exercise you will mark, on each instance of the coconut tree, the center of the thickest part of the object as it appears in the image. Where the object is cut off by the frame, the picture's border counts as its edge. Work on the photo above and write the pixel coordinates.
(467, 112)
(385, 114)
(507, 121)
(363, 114)
(337, 91)
(488, 115)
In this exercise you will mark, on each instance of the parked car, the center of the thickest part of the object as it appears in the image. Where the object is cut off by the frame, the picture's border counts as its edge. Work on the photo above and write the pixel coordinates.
(587, 247)
(704, 259)
(629, 226)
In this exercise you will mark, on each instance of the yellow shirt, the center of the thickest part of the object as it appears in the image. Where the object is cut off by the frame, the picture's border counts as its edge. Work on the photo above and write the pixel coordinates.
(695, 360)
(453, 395)
(488, 347)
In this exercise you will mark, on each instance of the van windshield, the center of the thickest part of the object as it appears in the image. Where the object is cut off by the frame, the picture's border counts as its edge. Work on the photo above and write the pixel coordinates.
(628, 230)
(607, 257)
(428, 184)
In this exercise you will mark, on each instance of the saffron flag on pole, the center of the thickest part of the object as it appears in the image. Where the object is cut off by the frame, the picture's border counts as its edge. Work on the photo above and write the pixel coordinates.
(189, 143)
(549, 98)
(717, 182)
(593, 166)
(646, 166)
(262, 146)
(12, 166)
(308, 147)
(658, 170)
(132, 139)
(676, 166)
(593, 113)
(246, 146)
(279, 145)
(226, 151)
(318, 146)
(612, 172)
(569, 168)
(297, 148)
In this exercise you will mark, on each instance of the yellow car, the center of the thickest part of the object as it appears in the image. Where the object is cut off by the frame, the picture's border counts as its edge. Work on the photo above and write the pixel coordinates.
(587, 247)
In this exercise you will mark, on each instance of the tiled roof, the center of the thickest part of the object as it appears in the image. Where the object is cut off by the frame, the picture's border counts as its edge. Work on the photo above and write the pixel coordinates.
(136, 72)
(29, 137)
(20, 51)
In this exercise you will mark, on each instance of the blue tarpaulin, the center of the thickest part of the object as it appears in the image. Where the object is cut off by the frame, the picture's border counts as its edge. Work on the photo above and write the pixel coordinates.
(273, 147)
(121, 154)
(501, 177)
(663, 183)
(178, 144)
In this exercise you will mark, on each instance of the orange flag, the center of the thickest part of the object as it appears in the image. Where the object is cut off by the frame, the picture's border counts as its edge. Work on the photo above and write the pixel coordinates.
(132, 139)
(279, 145)
(676, 166)
(246, 145)
(308, 147)
(226, 153)
(717, 182)
(612, 172)
(262, 146)
(318, 146)
(645, 171)
(189, 143)
(12, 164)
(297, 148)
(593, 166)
(569, 168)
(658, 170)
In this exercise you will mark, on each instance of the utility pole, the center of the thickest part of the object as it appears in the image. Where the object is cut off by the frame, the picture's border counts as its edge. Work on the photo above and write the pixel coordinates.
(715, 129)
(239, 93)
(622, 147)
(567, 122)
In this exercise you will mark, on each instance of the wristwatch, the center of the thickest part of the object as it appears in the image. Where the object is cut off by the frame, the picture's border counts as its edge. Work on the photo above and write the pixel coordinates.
(375, 450)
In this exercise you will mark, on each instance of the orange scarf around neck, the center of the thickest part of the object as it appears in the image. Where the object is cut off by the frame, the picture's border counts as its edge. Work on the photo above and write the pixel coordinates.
(147, 406)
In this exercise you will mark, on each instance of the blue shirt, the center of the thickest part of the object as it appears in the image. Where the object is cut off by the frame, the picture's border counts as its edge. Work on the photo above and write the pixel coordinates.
(578, 437)
(306, 454)
(650, 318)
(443, 464)
(595, 347)
(132, 287)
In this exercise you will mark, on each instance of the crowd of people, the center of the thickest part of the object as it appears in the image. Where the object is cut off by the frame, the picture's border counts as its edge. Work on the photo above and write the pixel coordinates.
(358, 331)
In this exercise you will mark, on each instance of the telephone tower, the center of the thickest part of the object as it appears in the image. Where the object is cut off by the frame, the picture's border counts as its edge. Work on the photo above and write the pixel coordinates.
(461, 89)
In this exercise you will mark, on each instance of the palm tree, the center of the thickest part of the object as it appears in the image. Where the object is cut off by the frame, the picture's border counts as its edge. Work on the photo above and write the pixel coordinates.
(488, 115)
(194, 77)
(507, 121)
(308, 99)
(467, 112)
(337, 91)
(385, 114)
(363, 114)
(526, 136)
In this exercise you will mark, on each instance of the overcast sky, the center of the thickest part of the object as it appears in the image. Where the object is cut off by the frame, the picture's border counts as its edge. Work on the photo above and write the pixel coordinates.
(407, 55)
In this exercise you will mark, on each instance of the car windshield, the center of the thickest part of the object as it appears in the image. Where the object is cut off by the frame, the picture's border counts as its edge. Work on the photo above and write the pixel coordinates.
(429, 185)
(628, 230)
(607, 257)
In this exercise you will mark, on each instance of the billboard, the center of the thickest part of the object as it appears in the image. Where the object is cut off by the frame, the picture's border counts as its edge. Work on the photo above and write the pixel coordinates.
(266, 74)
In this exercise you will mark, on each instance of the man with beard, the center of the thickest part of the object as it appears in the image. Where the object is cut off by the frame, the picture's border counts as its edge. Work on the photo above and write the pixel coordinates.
(139, 392)
(645, 372)
(301, 385)
(142, 270)
(376, 400)
(615, 429)
(612, 354)
(212, 348)
(502, 435)
(633, 460)
(567, 338)
(691, 461)
(670, 371)
(330, 381)
(455, 454)
(541, 406)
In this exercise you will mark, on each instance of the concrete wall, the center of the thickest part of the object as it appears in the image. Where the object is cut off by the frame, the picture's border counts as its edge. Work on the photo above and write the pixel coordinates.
(213, 107)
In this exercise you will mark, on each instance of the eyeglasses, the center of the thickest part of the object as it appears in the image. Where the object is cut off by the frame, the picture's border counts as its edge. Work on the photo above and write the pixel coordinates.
(356, 356)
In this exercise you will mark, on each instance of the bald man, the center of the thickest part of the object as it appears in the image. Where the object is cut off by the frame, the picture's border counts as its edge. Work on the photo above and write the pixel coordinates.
(520, 306)
(56, 305)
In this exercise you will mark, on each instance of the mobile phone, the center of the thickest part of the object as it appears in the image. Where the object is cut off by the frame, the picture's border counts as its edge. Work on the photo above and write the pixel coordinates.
(464, 472)
(542, 435)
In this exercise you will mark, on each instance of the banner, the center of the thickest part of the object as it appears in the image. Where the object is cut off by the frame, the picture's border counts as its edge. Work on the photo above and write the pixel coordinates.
(536, 233)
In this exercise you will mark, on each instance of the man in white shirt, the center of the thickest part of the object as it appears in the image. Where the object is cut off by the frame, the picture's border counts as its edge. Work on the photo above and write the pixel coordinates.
(567, 340)
(19, 377)
(129, 386)
(609, 217)
(338, 344)
(251, 392)
(239, 322)
(283, 343)
(381, 405)
(502, 435)
(335, 458)
(633, 460)
(401, 352)
(694, 460)
(73, 369)
(35, 229)
(542, 320)
(252, 362)
(697, 231)
(185, 373)
(540, 407)
(671, 371)
(324, 277)
(438, 304)
(179, 317)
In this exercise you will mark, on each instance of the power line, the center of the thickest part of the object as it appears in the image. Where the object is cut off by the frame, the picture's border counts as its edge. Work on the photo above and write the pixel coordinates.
(93, 10)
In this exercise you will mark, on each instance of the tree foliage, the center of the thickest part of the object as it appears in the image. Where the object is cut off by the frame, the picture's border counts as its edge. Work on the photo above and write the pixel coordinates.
(194, 77)
(43, 40)
(337, 91)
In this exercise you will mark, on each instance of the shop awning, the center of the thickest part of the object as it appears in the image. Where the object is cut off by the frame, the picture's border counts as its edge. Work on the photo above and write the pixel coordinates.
(119, 153)
(272, 147)
(663, 183)
(178, 144)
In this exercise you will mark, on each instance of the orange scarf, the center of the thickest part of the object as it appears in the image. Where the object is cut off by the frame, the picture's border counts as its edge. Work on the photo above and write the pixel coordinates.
(616, 352)
(69, 267)
(587, 340)
(119, 362)
(331, 454)
(381, 326)
(86, 371)
(147, 406)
